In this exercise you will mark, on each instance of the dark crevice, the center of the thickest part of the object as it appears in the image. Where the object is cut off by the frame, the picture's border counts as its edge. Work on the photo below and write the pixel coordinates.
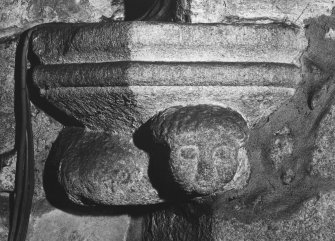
(148, 10)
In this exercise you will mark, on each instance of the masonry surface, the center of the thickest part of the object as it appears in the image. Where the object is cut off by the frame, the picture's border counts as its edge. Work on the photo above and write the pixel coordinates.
(216, 124)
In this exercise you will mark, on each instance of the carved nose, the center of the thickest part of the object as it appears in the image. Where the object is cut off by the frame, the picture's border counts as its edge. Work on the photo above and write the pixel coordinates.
(206, 173)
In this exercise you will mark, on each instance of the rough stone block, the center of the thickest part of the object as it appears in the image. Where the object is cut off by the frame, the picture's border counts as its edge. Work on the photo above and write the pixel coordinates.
(49, 223)
(16, 16)
(152, 41)
(200, 11)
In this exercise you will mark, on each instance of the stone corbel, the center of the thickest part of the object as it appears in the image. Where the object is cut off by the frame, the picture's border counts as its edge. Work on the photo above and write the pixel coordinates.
(165, 111)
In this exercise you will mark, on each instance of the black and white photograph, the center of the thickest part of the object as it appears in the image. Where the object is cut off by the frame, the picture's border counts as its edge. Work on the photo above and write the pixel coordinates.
(167, 120)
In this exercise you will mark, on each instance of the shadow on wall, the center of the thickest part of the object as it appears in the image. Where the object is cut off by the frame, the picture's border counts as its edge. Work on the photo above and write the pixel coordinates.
(149, 10)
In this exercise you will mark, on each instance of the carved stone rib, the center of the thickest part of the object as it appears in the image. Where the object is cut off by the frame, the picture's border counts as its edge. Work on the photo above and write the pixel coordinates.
(160, 74)
(152, 41)
(123, 109)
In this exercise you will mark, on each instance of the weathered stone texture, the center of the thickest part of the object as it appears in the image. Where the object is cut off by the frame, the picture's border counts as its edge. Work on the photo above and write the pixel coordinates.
(200, 11)
(45, 131)
(16, 16)
(192, 151)
(49, 223)
(204, 145)
(123, 109)
(323, 163)
(100, 168)
(4, 216)
(152, 41)
(178, 224)
(7, 172)
(41, 126)
(267, 34)
(7, 119)
(321, 48)
(161, 74)
(7, 64)
(7, 132)
(313, 221)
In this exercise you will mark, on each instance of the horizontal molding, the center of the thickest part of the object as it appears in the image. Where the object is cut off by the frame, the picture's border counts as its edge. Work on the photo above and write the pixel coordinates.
(123, 109)
(168, 42)
(166, 74)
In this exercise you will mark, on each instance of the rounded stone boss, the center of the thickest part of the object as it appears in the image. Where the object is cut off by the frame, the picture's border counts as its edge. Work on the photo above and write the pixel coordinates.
(186, 152)
(202, 147)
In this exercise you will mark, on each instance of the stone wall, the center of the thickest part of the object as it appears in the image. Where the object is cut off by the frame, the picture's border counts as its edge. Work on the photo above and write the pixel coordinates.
(290, 193)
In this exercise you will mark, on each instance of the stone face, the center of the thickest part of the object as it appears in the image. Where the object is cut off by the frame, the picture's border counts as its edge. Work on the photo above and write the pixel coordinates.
(204, 145)
(150, 41)
(199, 11)
(17, 16)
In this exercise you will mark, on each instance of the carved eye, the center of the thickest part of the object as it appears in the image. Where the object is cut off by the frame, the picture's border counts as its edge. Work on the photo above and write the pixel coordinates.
(189, 152)
(184, 163)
